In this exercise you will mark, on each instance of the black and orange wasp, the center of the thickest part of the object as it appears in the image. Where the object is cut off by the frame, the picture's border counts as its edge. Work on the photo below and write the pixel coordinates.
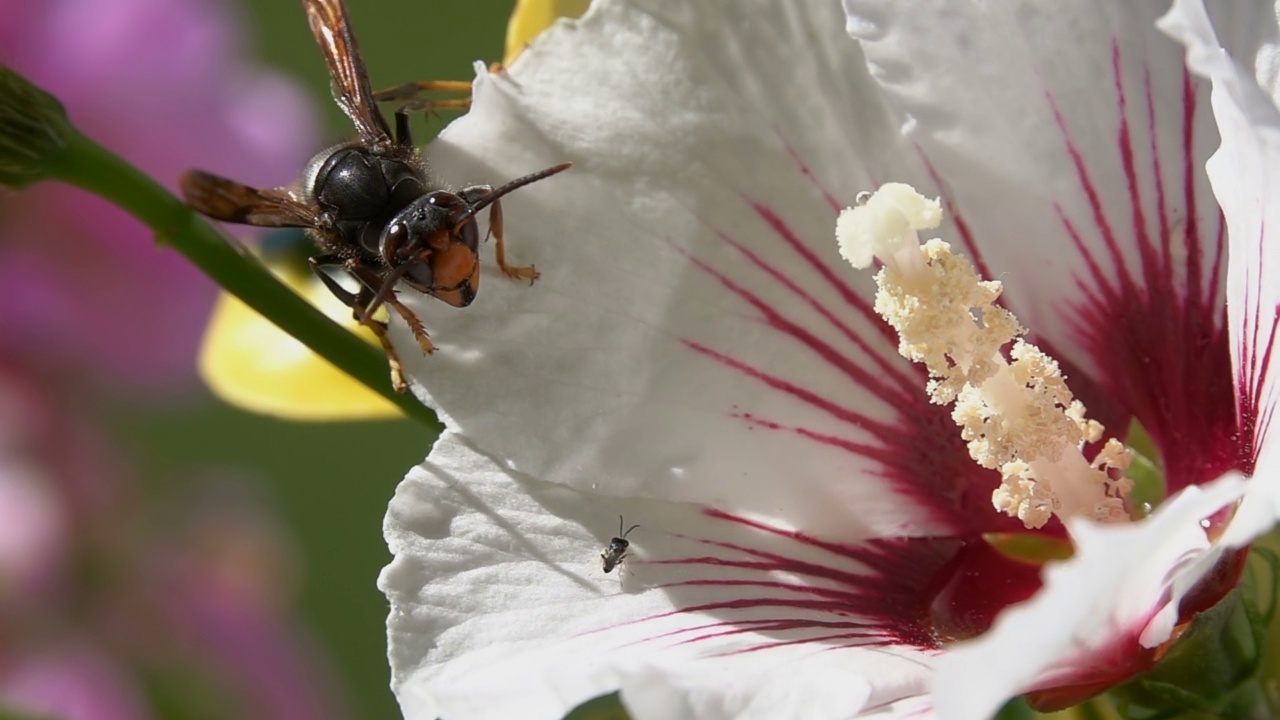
(369, 204)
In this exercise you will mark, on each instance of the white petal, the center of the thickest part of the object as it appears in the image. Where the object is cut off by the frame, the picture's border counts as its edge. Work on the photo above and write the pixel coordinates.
(499, 608)
(1123, 584)
(678, 344)
(1048, 120)
(803, 687)
(1235, 46)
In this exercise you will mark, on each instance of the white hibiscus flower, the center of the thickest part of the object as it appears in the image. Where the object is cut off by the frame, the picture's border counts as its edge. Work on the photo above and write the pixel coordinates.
(814, 539)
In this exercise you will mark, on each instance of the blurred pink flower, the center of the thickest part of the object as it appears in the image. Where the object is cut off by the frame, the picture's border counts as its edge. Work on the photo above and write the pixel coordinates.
(162, 83)
(262, 660)
(61, 489)
(98, 589)
(32, 532)
(73, 681)
(220, 588)
(92, 598)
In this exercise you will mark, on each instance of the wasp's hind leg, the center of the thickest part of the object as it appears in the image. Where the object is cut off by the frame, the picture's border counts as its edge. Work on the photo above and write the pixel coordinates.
(413, 90)
(410, 94)
(359, 302)
(516, 272)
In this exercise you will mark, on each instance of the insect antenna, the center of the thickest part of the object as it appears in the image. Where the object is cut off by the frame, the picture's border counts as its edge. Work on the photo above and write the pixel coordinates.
(388, 285)
(487, 199)
(624, 535)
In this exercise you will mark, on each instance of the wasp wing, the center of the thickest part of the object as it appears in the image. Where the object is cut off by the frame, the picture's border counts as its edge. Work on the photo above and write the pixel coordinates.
(228, 200)
(348, 79)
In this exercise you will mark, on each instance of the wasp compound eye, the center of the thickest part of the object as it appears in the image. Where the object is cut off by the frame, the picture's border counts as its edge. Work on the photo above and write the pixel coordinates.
(393, 238)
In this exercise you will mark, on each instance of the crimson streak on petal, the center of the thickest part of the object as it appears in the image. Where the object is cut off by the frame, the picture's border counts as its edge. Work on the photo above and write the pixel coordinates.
(920, 451)
(879, 358)
(807, 172)
(953, 213)
(1255, 408)
(1158, 335)
(773, 587)
(798, 246)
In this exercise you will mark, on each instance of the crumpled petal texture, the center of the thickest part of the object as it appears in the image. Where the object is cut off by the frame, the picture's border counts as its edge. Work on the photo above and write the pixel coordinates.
(696, 350)
(694, 342)
(686, 283)
(500, 608)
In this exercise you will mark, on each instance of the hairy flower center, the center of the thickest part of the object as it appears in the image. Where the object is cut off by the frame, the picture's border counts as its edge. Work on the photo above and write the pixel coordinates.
(1011, 401)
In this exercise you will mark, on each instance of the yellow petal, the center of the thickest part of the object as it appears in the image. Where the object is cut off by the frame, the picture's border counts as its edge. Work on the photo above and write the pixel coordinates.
(532, 17)
(250, 363)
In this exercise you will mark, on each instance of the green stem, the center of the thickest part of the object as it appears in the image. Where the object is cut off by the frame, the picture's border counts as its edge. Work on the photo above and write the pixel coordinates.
(86, 164)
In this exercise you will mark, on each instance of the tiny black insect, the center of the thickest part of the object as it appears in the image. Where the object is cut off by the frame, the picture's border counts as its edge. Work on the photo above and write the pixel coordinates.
(616, 552)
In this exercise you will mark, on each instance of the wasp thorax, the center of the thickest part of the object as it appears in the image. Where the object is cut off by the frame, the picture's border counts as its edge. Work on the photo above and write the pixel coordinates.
(359, 190)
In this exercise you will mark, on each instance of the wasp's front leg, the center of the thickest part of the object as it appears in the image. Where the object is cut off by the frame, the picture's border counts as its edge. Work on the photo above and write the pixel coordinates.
(519, 272)
(359, 303)
(379, 329)
(371, 280)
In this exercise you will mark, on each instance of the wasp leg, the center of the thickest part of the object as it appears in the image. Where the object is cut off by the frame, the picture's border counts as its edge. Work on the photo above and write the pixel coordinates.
(318, 263)
(412, 92)
(516, 272)
(523, 272)
(358, 302)
(415, 325)
(379, 329)
(369, 278)
(403, 138)
(430, 106)
(426, 107)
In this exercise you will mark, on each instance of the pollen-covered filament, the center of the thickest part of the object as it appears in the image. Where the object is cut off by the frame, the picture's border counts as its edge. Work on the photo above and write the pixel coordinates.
(1013, 409)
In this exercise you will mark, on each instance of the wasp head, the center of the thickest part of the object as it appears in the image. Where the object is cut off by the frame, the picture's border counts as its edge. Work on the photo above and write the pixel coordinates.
(432, 245)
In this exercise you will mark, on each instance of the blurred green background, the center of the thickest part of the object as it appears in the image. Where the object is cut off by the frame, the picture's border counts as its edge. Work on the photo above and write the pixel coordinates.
(329, 482)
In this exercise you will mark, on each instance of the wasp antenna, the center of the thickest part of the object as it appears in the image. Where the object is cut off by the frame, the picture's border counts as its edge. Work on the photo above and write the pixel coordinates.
(628, 532)
(487, 199)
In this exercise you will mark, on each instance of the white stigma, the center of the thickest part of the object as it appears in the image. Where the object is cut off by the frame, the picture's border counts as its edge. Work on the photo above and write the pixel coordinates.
(1016, 414)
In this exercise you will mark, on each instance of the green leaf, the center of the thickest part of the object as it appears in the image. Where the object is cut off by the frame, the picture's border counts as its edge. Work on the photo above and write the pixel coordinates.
(1015, 709)
(1145, 472)
(1210, 672)
(33, 130)
(605, 707)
